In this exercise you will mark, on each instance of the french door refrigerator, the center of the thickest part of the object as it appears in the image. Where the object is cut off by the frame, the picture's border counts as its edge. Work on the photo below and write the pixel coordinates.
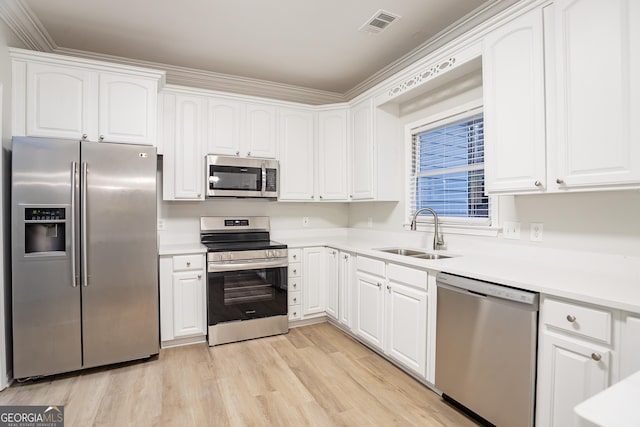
(84, 255)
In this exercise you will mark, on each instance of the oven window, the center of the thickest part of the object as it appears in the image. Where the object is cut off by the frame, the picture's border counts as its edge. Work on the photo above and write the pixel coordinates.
(246, 294)
(235, 178)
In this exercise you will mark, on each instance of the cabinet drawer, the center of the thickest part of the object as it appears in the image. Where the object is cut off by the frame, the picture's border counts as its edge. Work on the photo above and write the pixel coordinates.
(294, 312)
(407, 275)
(587, 321)
(294, 298)
(294, 284)
(294, 270)
(371, 266)
(188, 262)
(295, 255)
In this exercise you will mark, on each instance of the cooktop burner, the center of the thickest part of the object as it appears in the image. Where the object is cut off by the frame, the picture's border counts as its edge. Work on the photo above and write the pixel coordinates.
(223, 234)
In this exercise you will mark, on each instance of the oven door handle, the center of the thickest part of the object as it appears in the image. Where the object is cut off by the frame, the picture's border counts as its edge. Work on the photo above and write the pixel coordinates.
(214, 267)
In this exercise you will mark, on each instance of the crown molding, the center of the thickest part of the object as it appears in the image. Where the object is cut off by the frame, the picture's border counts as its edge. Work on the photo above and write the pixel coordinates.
(26, 25)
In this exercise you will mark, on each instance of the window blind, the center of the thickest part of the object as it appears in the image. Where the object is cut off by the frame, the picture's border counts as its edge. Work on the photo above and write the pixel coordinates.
(447, 172)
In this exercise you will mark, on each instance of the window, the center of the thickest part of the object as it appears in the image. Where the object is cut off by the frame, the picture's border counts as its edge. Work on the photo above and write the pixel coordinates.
(447, 169)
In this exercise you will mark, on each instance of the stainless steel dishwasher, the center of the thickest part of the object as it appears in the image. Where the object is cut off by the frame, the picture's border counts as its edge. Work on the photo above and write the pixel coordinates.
(486, 338)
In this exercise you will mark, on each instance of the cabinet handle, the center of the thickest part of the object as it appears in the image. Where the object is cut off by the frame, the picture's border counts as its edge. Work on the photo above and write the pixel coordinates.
(559, 181)
(537, 184)
(571, 318)
(596, 356)
(101, 138)
(84, 136)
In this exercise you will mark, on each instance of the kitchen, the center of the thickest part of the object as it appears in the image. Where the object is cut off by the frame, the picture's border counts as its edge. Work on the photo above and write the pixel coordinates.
(543, 233)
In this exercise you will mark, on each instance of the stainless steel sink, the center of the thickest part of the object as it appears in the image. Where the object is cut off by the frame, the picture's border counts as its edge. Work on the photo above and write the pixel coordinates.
(413, 253)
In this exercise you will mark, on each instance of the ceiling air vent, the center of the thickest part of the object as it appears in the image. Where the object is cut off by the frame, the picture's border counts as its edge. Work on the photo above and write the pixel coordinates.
(381, 20)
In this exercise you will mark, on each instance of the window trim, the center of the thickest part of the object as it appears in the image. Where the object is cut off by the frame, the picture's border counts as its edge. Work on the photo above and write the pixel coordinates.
(450, 225)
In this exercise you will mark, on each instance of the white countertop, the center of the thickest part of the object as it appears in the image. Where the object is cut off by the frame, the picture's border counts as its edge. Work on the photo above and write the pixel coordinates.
(616, 406)
(182, 248)
(608, 280)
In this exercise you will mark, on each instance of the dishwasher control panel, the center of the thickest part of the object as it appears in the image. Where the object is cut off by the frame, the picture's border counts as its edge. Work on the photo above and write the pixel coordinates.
(487, 289)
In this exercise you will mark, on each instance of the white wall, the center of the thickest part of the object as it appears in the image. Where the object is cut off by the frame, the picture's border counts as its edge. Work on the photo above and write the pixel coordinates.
(7, 38)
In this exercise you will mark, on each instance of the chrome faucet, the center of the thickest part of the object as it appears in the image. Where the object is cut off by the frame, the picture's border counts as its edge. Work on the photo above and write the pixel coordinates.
(438, 239)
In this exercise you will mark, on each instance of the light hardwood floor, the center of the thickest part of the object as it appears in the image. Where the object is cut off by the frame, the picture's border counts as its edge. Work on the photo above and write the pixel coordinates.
(313, 376)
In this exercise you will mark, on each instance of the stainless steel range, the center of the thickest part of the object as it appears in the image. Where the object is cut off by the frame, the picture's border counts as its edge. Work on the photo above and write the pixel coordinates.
(246, 279)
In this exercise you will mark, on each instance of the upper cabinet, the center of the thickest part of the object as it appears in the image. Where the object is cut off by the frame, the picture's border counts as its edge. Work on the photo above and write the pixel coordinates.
(362, 152)
(333, 155)
(59, 97)
(587, 130)
(597, 97)
(238, 128)
(297, 141)
(514, 111)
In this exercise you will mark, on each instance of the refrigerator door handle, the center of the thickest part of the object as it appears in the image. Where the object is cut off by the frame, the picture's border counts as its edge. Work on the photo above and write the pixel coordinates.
(83, 227)
(74, 168)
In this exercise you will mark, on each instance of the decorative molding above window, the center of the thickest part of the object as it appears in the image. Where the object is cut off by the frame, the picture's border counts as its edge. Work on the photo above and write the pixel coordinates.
(422, 76)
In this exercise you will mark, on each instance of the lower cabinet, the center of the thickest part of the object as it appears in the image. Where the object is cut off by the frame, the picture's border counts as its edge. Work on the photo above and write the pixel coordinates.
(183, 304)
(346, 289)
(574, 359)
(391, 311)
(629, 344)
(313, 281)
(332, 282)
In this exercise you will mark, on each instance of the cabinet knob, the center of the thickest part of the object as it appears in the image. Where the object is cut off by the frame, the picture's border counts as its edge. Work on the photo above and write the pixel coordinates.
(559, 181)
(295, 313)
(295, 299)
(351, 196)
(294, 271)
(188, 263)
(248, 153)
(596, 356)
(199, 276)
(199, 194)
(389, 288)
(101, 138)
(537, 184)
(321, 196)
(313, 197)
(379, 285)
(346, 256)
(571, 318)
(295, 285)
(237, 153)
(84, 136)
(295, 256)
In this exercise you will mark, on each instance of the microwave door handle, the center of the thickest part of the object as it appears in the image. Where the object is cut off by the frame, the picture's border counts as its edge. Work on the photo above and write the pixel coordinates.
(264, 178)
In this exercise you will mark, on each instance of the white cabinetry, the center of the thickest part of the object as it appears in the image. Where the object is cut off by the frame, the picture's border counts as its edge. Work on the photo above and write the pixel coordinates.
(588, 131)
(598, 101)
(574, 359)
(294, 291)
(63, 97)
(183, 302)
(391, 311)
(297, 155)
(238, 128)
(362, 154)
(332, 283)
(629, 344)
(183, 173)
(514, 109)
(333, 155)
(313, 281)
(346, 290)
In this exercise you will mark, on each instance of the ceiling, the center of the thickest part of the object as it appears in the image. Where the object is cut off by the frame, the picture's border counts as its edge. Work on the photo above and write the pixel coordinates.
(303, 43)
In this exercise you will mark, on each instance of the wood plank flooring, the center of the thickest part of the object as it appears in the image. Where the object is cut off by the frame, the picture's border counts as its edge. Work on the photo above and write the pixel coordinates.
(313, 376)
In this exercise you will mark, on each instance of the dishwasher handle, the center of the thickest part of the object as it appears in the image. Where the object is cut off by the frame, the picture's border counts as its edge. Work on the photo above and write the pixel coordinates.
(482, 289)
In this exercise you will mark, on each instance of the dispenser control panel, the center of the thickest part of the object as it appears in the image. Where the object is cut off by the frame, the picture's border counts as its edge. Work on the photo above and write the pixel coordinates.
(44, 214)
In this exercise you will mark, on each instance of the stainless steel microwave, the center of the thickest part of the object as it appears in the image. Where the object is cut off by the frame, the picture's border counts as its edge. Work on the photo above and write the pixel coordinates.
(241, 177)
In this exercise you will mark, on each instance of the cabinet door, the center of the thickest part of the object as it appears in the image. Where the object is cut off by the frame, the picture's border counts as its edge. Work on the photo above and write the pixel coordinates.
(189, 159)
(332, 280)
(188, 312)
(128, 109)
(333, 155)
(61, 102)
(514, 109)
(568, 374)
(406, 318)
(597, 59)
(296, 155)
(362, 157)
(223, 125)
(346, 289)
(313, 283)
(630, 345)
(370, 309)
(260, 131)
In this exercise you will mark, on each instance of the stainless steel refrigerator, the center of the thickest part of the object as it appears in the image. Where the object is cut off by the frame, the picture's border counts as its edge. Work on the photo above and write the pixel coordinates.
(84, 255)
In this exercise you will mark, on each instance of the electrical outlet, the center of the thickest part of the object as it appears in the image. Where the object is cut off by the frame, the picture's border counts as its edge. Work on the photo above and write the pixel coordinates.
(369, 222)
(160, 224)
(511, 230)
(305, 221)
(535, 232)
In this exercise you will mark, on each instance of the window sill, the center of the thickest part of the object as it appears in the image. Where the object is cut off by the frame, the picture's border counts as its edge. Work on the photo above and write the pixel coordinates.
(469, 230)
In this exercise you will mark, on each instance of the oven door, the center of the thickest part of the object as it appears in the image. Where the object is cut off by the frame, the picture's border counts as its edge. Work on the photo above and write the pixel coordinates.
(246, 290)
